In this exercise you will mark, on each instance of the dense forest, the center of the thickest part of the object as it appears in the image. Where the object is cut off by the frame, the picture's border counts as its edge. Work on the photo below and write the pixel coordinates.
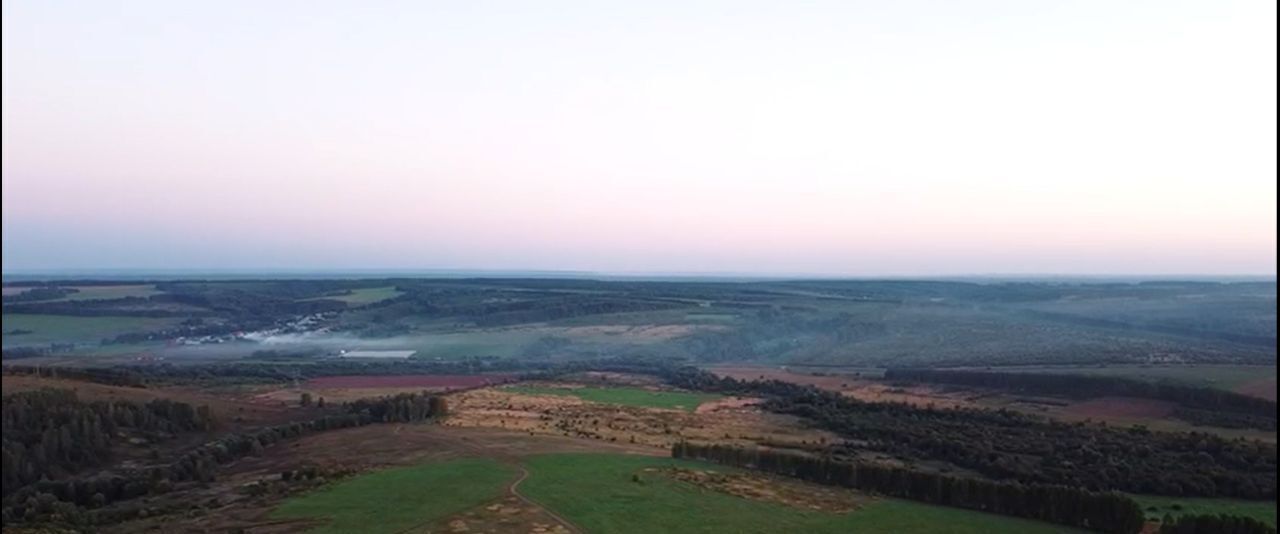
(1219, 406)
(1102, 512)
(52, 432)
(85, 500)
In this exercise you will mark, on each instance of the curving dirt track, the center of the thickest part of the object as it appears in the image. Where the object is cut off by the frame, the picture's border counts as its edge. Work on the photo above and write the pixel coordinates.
(513, 489)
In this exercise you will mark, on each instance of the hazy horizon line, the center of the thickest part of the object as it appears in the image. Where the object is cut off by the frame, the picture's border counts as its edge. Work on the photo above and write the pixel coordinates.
(375, 272)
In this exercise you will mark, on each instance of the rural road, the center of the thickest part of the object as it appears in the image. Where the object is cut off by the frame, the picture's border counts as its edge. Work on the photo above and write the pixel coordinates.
(514, 490)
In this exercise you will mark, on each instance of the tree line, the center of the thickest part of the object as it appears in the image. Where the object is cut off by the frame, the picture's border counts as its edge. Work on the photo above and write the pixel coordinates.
(1102, 512)
(273, 372)
(39, 293)
(1243, 409)
(50, 431)
(1214, 524)
(1006, 445)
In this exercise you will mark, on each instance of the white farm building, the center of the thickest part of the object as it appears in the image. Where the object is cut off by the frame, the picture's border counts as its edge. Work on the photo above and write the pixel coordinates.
(395, 354)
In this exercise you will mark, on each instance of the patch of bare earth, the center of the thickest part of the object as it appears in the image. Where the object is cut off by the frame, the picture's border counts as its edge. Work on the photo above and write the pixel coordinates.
(571, 417)
(291, 396)
(758, 487)
(351, 388)
(727, 404)
(508, 515)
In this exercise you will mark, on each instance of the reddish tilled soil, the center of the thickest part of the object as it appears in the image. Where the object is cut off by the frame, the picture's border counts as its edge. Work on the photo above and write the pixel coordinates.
(408, 381)
(1120, 408)
(1264, 388)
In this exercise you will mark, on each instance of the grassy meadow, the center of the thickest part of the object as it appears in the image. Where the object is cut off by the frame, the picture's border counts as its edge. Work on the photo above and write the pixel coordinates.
(1264, 511)
(397, 499)
(598, 493)
(112, 292)
(363, 296)
(46, 329)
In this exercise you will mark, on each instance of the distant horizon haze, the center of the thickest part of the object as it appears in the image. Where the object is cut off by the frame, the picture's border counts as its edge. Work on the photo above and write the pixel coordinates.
(427, 273)
(830, 138)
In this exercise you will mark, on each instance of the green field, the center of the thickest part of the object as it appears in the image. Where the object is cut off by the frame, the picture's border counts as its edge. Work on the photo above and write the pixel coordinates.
(596, 491)
(112, 292)
(1217, 376)
(363, 296)
(47, 329)
(465, 345)
(671, 400)
(394, 500)
(102, 292)
(710, 317)
(1264, 511)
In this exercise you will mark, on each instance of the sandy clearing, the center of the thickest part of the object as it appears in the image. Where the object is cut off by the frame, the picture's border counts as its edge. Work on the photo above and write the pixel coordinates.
(572, 417)
(730, 403)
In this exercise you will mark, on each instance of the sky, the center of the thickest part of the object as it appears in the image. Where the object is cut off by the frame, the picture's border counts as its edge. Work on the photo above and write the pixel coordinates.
(858, 138)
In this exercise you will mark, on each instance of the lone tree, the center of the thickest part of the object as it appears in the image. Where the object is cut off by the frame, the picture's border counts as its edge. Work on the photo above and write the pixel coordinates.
(306, 399)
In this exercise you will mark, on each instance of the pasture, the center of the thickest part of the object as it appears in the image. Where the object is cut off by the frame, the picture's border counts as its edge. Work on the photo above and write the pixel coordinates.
(454, 345)
(393, 500)
(45, 329)
(364, 296)
(644, 398)
(111, 292)
(623, 494)
(107, 292)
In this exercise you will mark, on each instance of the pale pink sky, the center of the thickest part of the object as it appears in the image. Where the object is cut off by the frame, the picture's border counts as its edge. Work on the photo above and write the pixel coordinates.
(859, 138)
